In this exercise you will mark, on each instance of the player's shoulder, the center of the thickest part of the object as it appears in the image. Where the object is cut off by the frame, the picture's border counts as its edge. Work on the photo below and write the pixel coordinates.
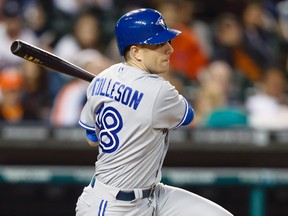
(121, 70)
(110, 69)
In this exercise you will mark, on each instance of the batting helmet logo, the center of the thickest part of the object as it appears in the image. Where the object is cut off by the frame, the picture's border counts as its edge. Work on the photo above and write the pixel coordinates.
(161, 22)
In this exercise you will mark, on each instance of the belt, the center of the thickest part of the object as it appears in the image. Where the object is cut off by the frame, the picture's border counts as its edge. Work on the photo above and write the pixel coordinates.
(128, 196)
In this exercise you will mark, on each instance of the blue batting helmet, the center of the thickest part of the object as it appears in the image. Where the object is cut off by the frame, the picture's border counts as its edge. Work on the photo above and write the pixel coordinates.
(142, 26)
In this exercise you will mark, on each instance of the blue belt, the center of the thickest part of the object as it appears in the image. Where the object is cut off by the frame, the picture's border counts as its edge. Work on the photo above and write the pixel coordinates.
(127, 196)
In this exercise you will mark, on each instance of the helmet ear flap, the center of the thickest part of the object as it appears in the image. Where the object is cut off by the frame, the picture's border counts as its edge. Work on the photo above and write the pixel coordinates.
(142, 26)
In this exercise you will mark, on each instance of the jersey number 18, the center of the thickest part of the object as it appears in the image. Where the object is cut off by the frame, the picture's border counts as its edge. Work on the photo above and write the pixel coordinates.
(109, 122)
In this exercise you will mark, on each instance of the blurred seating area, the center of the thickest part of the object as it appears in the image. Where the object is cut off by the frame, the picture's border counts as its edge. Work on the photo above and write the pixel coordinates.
(231, 60)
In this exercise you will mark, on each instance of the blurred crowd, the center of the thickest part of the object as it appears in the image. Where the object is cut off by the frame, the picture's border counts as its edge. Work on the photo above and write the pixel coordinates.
(230, 62)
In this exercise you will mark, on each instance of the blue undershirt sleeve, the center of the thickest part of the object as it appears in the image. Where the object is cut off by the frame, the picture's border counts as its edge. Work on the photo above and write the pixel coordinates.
(90, 134)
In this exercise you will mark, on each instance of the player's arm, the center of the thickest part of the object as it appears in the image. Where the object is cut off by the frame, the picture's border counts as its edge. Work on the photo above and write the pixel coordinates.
(87, 122)
(91, 137)
(171, 110)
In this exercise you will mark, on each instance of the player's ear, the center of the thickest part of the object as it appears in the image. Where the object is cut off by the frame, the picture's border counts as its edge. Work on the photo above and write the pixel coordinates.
(135, 51)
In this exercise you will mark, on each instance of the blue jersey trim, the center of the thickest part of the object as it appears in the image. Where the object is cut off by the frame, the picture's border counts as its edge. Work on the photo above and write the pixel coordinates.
(188, 115)
(86, 126)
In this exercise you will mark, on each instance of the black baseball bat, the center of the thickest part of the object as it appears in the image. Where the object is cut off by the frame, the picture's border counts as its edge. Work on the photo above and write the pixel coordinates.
(48, 60)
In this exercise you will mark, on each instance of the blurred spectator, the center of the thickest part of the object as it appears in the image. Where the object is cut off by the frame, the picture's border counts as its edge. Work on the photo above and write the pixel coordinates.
(282, 9)
(11, 29)
(214, 103)
(36, 18)
(1, 11)
(71, 7)
(112, 51)
(260, 40)
(229, 46)
(64, 12)
(222, 73)
(86, 35)
(188, 57)
(199, 27)
(11, 84)
(209, 98)
(68, 103)
(74, 7)
(71, 98)
(37, 100)
(247, 48)
(268, 107)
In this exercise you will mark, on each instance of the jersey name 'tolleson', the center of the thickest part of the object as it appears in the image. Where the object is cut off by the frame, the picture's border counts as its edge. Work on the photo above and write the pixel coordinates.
(117, 91)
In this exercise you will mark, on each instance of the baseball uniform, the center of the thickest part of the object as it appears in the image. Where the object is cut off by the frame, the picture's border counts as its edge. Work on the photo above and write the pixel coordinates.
(131, 113)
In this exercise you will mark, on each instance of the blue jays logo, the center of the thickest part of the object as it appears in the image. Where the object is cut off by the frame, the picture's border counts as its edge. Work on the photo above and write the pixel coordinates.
(161, 22)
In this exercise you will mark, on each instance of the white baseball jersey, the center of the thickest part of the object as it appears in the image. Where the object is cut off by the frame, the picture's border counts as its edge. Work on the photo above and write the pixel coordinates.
(131, 112)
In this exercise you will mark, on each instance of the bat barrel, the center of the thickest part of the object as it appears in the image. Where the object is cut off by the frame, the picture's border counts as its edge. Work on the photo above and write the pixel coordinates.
(46, 59)
(15, 46)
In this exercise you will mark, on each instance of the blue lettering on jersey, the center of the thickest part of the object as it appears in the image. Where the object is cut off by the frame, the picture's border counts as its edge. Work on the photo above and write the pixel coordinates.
(136, 99)
(108, 94)
(102, 86)
(118, 91)
(114, 87)
(96, 87)
(126, 95)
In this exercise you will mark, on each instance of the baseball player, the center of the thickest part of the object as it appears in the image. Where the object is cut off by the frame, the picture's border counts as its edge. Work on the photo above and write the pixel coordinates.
(129, 113)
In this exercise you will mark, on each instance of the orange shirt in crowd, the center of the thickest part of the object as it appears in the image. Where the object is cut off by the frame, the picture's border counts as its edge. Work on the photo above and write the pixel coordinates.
(188, 58)
(11, 108)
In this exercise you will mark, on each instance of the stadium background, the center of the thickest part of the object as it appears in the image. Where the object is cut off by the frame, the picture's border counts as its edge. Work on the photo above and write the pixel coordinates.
(44, 165)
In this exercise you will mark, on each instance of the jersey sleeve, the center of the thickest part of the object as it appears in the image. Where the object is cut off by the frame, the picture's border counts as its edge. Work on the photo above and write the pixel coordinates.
(87, 113)
(170, 109)
(87, 117)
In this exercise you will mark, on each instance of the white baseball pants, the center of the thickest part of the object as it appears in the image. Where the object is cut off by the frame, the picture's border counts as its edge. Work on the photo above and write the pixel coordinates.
(100, 200)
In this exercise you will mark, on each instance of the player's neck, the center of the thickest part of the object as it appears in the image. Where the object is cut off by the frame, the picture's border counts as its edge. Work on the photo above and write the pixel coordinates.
(137, 64)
